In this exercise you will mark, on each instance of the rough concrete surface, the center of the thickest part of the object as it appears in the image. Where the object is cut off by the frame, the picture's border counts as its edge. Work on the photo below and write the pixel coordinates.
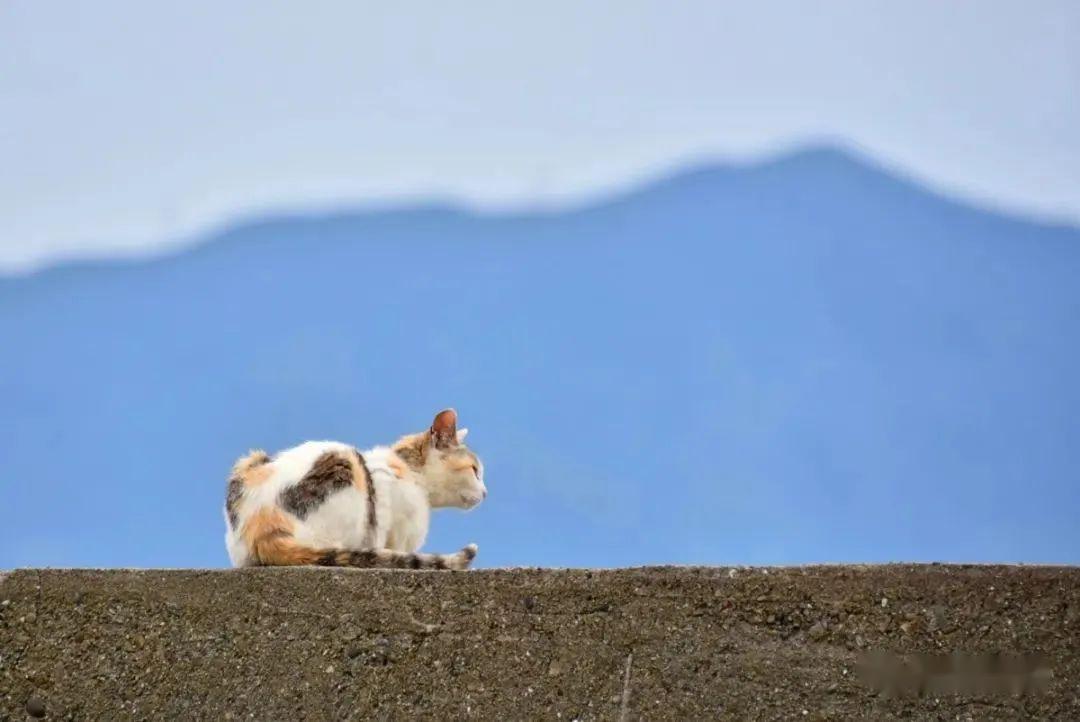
(648, 643)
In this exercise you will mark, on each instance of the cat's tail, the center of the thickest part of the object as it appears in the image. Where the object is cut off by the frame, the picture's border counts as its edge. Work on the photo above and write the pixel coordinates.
(389, 559)
(284, 551)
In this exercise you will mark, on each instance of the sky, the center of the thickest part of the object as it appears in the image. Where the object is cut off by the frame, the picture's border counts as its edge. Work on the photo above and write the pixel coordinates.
(127, 127)
(851, 373)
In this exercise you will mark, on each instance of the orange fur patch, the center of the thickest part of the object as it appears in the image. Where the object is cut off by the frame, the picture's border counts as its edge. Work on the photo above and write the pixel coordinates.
(252, 469)
(284, 551)
(359, 475)
(268, 535)
(264, 523)
(257, 475)
(398, 467)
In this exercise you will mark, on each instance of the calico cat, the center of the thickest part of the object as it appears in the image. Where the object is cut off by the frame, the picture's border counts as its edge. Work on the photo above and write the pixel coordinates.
(328, 504)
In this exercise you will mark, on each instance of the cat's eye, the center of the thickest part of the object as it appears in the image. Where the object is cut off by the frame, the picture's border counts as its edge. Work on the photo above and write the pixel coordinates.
(476, 471)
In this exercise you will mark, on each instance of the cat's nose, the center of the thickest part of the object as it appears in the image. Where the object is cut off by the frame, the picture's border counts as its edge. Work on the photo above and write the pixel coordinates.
(483, 493)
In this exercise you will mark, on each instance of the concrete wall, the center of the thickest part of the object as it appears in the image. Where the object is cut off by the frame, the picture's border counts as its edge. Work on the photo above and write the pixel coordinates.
(651, 643)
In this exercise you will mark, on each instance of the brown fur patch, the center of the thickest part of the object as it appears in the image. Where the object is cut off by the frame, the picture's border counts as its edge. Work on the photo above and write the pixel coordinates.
(361, 472)
(413, 449)
(331, 472)
(233, 495)
(248, 471)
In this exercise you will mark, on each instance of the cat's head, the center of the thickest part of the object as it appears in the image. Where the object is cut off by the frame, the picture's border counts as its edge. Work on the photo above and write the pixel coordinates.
(448, 470)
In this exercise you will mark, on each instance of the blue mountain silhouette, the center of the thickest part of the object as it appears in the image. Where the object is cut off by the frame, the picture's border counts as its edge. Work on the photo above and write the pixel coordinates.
(807, 359)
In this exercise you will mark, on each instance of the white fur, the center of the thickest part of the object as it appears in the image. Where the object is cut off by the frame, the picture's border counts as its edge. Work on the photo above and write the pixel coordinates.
(402, 506)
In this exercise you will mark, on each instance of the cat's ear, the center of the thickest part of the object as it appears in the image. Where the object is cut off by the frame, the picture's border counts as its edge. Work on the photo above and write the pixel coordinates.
(444, 429)
(461, 434)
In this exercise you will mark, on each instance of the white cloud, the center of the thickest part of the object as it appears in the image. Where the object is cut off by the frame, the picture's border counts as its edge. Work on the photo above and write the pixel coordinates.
(128, 125)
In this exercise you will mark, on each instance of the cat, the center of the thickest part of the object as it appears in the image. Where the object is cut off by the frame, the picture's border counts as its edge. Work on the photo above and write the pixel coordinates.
(326, 503)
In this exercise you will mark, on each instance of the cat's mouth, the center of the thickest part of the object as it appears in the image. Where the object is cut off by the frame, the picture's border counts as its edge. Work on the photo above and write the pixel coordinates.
(470, 499)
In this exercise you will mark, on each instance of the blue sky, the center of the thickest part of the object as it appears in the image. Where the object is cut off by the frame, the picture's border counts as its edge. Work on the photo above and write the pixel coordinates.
(128, 126)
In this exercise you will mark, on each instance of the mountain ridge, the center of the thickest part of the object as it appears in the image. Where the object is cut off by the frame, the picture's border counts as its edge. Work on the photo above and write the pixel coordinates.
(720, 370)
(811, 158)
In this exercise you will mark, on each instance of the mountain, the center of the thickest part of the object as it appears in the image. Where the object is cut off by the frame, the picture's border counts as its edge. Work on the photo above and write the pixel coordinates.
(807, 359)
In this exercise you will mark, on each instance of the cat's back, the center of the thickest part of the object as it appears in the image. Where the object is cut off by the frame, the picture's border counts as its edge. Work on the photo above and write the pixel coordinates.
(262, 481)
(290, 465)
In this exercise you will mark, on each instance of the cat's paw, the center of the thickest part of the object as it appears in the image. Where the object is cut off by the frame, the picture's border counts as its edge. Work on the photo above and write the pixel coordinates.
(464, 558)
